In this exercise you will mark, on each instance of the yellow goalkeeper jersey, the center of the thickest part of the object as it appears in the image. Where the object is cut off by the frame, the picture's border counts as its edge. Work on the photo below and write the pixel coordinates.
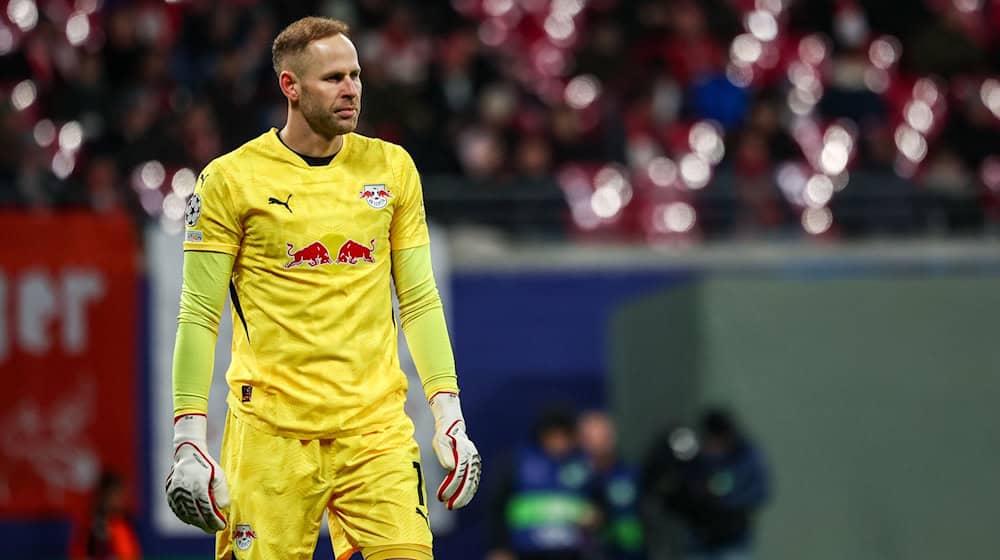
(314, 352)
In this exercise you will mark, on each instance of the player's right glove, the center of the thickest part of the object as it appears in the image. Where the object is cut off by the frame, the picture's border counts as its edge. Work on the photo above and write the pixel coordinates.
(455, 451)
(196, 486)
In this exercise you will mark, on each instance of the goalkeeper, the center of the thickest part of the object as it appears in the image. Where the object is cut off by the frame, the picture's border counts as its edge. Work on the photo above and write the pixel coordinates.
(304, 227)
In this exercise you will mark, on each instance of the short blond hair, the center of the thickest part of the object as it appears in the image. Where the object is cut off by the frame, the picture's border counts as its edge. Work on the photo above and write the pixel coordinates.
(296, 37)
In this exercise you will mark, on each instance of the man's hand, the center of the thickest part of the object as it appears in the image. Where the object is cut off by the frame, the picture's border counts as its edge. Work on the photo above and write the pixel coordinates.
(454, 451)
(196, 486)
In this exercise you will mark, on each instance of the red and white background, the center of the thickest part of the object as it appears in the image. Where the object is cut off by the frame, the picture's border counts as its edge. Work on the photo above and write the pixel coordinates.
(69, 332)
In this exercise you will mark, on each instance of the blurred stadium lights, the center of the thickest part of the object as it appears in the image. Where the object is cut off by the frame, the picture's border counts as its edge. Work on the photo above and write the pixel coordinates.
(611, 177)
(990, 95)
(818, 191)
(70, 136)
(23, 95)
(813, 49)
(44, 133)
(560, 29)
(77, 28)
(173, 207)
(151, 201)
(606, 202)
(581, 91)
(884, 52)
(740, 75)
(88, 6)
(492, 33)
(817, 221)
(6, 40)
(23, 14)
(762, 25)
(498, 8)
(705, 139)
(662, 171)
(990, 173)
(183, 182)
(746, 49)
(918, 115)
(63, 164)
(684, 443)
(791, 179)
(968, 6)
(695, 171)
(567, 8)
(149, 176)
(677, 217)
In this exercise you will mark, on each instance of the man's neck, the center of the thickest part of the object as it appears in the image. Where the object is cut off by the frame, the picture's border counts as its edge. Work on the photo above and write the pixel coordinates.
(297, 135)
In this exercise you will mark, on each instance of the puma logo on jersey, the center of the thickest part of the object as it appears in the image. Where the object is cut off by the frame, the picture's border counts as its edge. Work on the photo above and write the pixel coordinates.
(272, 200)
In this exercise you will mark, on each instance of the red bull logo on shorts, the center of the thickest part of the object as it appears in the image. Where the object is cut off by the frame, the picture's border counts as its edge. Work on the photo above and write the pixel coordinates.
(243, 536)
(316, 254)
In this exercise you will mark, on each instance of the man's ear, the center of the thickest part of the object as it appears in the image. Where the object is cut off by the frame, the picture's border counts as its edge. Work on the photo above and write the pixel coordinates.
(289, 84)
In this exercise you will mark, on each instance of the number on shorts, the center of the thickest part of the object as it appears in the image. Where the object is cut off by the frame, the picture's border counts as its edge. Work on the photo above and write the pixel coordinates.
(420, 482)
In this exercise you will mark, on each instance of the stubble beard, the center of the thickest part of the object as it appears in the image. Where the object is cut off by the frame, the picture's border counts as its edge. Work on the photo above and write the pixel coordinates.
(326, 123)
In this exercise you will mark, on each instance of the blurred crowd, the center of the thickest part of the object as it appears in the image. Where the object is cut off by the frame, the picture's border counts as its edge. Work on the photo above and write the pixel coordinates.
(655, 119)
(569, 494)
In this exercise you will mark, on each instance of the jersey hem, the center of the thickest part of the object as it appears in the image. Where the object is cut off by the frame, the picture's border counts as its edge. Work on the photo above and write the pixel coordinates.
(262, 425)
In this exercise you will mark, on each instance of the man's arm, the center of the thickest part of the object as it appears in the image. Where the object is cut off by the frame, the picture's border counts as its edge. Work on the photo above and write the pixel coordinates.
(196, 486)
(423, 322)
(422, 318)
(203, 295)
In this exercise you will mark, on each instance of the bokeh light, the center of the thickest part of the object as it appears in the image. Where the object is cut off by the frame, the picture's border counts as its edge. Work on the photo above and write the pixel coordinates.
(71, 136)
(662, 171)
(911, 143)
(23, 14)
(6, 40)
(23, 95)
(817, 220)
(704, 138)
(581, 91)
(884, 52)
(77, 28)
(151, 175)
(63, 164)
(695, 171)
(677, 217)
(44, 133)
(989, 92)
(746, 49)
(183, 182)
(762, 25)
(818, 191)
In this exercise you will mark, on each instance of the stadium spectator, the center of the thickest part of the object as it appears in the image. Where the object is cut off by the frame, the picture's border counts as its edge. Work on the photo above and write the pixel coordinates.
(109, 533)
(543, 507)
(616, 482)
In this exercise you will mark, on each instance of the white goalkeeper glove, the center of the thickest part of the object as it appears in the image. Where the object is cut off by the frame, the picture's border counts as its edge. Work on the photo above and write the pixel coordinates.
(454, 451)
(196, 486)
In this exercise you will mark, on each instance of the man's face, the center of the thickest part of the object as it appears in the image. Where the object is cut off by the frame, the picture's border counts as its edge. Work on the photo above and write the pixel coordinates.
(330, 85)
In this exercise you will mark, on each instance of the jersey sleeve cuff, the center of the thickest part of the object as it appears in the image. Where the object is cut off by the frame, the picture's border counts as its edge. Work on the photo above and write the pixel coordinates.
(211, 247)
(408, 243)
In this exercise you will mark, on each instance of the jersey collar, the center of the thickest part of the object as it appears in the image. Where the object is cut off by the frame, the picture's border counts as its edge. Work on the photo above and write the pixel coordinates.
(287, 155)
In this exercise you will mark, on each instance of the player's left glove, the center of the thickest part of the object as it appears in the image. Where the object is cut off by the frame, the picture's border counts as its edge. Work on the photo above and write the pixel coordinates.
(455, 451)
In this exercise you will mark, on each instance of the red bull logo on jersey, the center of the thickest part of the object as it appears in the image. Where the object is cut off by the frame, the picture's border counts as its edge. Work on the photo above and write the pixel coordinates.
(377, 196)
(243, 536)
(352, 251)
(315, 254)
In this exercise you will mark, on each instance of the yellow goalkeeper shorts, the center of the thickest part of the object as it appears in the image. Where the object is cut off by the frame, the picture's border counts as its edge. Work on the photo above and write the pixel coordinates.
(370, 485)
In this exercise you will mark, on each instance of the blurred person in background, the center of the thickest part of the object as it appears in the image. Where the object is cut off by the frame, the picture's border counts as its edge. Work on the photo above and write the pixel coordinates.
(108, 534)
(615, 480)
(543, 505)
(717, 491)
